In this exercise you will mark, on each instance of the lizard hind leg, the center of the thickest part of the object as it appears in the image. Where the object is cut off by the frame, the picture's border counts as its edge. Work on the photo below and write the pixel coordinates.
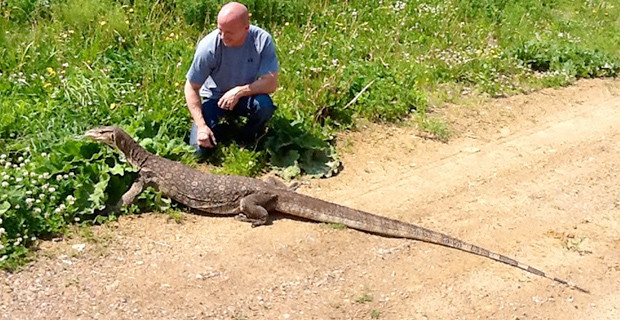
(278, 184)
(255, 208)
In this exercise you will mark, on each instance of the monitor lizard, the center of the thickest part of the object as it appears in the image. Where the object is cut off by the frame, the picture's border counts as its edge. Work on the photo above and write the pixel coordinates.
(252, 199)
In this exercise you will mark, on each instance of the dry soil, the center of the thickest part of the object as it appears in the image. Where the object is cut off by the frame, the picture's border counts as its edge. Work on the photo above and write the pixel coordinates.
(535, 177)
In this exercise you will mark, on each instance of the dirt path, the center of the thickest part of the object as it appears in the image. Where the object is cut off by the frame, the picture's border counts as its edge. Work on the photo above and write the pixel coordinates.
(533, 177)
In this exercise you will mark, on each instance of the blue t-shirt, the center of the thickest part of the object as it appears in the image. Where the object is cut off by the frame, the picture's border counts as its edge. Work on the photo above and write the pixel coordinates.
(219, 68)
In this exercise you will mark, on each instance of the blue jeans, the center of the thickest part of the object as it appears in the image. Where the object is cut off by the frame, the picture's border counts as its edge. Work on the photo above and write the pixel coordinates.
(258, 109)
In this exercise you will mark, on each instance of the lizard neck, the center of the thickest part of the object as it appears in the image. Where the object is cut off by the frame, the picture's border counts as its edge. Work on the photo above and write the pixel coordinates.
(135, 154)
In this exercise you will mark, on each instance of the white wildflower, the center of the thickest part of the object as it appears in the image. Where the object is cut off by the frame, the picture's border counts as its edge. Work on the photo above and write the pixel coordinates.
(0, 220)
(20, 159)
(42, 196)
(44, 154)
(65, 176)
(70, 199)
(3, 156)
(29, 201)
(5, 184)
(51, 189)
(17, 207)
(37, 210)
(33, 238)
(77, 219)
(4, 257)
(32, 174)
(59, 177)
(18, 179)
(1, 246)
(399, 5)
(2, 231)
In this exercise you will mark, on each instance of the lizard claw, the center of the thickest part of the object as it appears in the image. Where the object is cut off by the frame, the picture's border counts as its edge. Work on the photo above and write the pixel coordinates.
(255, 222)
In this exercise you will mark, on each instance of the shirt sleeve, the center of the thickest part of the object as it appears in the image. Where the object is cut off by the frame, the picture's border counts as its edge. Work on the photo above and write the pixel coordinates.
(204, 62)
(268, 59)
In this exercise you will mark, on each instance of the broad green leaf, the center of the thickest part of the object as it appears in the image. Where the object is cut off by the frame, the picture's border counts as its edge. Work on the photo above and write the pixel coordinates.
(285, 159)
(4, 207)
(118, 169)
(98, 195)
(289, 172)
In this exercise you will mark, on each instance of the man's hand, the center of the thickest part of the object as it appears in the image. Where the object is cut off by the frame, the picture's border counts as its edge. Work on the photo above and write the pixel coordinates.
(205, 137)
(229, 100)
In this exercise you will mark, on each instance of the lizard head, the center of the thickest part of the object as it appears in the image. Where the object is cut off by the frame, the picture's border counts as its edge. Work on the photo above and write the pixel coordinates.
(106, 135)
(119, 139)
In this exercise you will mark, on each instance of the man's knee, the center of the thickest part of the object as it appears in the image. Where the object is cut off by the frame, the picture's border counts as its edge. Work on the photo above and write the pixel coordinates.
(211, 112)
(264, 107)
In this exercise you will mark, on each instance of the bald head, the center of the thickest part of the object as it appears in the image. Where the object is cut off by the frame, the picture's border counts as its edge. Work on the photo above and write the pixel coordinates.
(233, 22)
(233, 12)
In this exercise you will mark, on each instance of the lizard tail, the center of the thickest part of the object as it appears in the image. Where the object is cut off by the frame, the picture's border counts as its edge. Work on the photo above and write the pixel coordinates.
(323, 211)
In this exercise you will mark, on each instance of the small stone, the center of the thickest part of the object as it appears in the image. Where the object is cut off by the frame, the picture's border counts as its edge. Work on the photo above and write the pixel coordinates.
(113, 285)
(505, 131)
(79, 246)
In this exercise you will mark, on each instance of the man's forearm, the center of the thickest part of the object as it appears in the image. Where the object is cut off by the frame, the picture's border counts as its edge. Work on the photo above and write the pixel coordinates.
(266, 84)
(194, 104)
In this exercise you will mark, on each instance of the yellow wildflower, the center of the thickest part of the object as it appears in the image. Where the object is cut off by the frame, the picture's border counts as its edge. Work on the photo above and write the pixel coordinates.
(51, 71)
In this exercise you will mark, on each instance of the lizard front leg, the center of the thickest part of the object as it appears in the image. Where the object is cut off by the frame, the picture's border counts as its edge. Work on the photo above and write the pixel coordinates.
(130, 196)
(255, 208)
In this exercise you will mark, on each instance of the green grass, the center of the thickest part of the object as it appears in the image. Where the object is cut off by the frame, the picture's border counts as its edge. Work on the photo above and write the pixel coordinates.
(364, 298)
(67, 66)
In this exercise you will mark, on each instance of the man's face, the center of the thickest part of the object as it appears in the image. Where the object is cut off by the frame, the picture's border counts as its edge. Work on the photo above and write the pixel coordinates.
(233, 33)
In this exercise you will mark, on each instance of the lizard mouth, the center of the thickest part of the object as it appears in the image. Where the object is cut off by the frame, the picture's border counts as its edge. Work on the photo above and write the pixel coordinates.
(105, 135)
